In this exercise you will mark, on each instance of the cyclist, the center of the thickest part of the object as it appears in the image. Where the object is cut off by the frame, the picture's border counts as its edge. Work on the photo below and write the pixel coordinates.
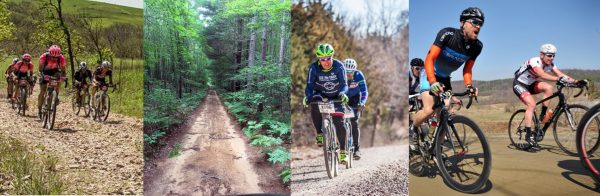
(416, 67)
(451, 49)
(23, 70)
(9, 81)
(327, 79)
(526, 84)
(358, 94)
(104, 69)
(81, 76)
(52, 63)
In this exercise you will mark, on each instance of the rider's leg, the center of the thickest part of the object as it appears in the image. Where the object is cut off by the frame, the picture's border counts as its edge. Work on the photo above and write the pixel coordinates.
(9, 87)
(426, 111)
(340, 130)
(43, 87)
(316, 118)
(546, 89)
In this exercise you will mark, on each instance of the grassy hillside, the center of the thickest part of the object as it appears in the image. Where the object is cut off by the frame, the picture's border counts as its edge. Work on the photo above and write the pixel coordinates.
(109, 13)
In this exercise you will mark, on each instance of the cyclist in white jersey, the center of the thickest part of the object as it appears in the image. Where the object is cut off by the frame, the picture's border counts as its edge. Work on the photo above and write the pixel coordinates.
(526, 83)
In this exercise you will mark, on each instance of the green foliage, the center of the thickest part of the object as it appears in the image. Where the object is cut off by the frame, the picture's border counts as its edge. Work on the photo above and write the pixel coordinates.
(279, 155)
(26, 172)
(265, 141)
(153, 137)
(176, 151)
(286, 175)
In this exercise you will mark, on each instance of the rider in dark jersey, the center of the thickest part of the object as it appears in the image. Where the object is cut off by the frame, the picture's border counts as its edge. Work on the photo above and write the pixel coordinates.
(358, 94)
(327, 79)
(416, 67)
(451, 49)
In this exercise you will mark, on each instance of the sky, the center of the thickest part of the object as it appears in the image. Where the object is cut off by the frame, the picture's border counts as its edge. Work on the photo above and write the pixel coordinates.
(513, 32)
(128, 3)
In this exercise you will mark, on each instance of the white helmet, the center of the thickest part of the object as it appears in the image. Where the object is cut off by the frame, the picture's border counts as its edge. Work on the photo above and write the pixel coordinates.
(350, 64)
(106, 64)
(548, 49)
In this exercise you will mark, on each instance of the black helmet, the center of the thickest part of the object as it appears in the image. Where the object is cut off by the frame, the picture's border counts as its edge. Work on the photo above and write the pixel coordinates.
(416, 62)
(472, 12)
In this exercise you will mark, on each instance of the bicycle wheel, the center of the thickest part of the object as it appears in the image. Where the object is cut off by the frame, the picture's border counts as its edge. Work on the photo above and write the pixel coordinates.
(516, 130)
(588, 140)
(105, 106)
(329, 159)
(464, 163)
(85, 103)
(74, 104)
(417, 163)
(46, 107)
(52, 112)
(335, 149)
(349, 146)
(565, 127)
(23, 101)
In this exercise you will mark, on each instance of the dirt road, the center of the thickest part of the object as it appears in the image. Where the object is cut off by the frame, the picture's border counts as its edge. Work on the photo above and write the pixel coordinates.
(213, 159)
(381, 171)
(94, 157)
(515, 172)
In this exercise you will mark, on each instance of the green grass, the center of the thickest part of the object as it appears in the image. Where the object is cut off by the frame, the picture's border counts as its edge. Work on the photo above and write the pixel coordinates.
(109, 13)
(176, 151)
(27, 172)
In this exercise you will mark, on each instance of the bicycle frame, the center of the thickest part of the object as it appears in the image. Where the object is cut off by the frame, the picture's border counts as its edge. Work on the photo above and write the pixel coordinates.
(561, 106)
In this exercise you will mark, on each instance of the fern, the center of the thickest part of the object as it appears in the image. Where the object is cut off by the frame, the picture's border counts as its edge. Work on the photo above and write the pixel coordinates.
(153, 137)
(279, 155)
(286, 175)
(265, 141)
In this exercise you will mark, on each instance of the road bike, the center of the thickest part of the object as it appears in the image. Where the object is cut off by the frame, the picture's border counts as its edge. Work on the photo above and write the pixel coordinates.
(81, 102)
(588, 140)
(564, 129)
(331, 147)
(456, 145)
(23, 89)
(348, 115)
(100, 105)
(50, 101)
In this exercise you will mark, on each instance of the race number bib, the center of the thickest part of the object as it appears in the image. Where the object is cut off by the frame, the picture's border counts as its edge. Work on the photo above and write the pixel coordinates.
(326, 108)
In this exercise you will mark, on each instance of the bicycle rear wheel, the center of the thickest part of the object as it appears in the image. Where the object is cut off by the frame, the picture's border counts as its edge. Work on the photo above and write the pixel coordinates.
(565, 127)
(463, 155)
(74, 105)
(516, 130)
(588, 140)
(105, 107)
(349, 145)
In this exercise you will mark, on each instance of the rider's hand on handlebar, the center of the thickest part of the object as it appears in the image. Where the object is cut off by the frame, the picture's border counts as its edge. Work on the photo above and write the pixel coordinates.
(305, 102)
(474, 92)
(344, 98)
(562, 80)
(437, 88)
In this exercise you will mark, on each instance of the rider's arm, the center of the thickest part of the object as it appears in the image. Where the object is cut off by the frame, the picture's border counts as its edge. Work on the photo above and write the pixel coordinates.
(341, 74)
(560, 73)
(310, 82)
(362, 86)
(41, 62)
(110, 76)
(542, 74)
(434, 52)
(62, 64)
(467, 72)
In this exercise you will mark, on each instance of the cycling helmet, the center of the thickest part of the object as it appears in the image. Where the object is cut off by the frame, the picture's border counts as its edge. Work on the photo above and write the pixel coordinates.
(83, 65)
(472, 12)
(26, 57)
(54, 50)
(324, 50)
(417, 62)
(350, 65)
(15, 60)
(548, 49)
(106, 64)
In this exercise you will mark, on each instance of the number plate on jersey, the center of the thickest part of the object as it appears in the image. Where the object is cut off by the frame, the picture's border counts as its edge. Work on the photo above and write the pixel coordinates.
(348, 113)
(326, 108)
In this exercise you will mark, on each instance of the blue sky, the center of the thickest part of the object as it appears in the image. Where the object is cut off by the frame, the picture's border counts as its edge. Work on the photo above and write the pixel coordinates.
(513, 32)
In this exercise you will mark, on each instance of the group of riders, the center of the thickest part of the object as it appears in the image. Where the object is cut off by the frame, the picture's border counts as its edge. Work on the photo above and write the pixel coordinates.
(454, 47)
(53, 63)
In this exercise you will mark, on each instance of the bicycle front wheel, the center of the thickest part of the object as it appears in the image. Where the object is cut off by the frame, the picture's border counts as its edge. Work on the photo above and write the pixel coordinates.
(23, 101)
(329, 159)
(349, 145)
(74, 104)
(588, 140)
(105, 107)
(565, 127)
(52, 112)
(463, 155)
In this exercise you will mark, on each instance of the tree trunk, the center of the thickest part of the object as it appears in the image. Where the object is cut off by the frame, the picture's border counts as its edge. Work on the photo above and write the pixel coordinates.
(67, 34)
(282, 42)
(263, 52)
(251, 48)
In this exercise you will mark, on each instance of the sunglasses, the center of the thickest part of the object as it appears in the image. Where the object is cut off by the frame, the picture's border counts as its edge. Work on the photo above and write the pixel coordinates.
(417, 68)
(550, 55)
(325, 59)
(476, 22)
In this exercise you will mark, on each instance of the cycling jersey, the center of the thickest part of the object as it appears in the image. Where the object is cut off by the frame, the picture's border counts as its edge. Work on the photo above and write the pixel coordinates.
(357, 86)
(23, 67)
(101, 73)
(328, 83)
(455, 51)
(526, 75)
(82, 76)
(52, 62)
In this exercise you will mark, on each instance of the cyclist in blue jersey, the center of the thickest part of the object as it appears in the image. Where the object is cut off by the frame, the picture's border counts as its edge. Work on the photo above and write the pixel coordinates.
(450, 50)
(327, 79)
(416, 67)
(358, 94)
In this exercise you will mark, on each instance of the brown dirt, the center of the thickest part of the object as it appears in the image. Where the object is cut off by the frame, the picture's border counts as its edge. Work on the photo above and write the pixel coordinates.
(515, 172)
(94, 157)
(214, 159)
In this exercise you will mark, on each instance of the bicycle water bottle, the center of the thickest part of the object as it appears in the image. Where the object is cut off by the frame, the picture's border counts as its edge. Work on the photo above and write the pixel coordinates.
(547, 116)
(434, 125)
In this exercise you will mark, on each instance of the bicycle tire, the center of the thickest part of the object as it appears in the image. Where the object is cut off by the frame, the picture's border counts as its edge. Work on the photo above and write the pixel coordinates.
(45, 108)
(417, 164)
(349, 147)
(565, 136)
(460, 159)
(105, 102)
(85, 100)
(74, 105)
(582, 151)
(52, 114)
(23, 101)
(516, 130)
(335, 148)
(326, 147)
